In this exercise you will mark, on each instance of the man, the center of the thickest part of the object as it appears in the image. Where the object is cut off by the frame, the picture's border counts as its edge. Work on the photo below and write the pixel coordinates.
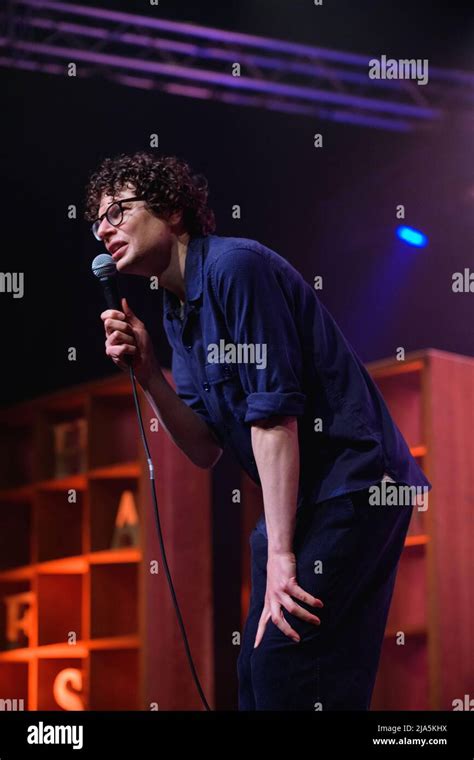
(262, 368)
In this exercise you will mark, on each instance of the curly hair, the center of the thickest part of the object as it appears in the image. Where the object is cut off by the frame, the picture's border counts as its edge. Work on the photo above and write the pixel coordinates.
(167, 183)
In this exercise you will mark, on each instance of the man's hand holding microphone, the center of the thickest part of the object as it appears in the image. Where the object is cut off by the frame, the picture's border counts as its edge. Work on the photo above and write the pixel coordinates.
(127, 336)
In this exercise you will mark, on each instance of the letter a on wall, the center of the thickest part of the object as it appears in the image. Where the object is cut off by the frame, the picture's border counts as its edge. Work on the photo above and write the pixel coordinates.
(126, 522)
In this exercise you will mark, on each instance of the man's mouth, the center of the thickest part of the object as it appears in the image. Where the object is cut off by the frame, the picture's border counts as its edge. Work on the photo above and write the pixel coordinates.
(117, 254)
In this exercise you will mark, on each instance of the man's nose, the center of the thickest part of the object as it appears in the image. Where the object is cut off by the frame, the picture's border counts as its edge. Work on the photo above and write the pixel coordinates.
(105, 228)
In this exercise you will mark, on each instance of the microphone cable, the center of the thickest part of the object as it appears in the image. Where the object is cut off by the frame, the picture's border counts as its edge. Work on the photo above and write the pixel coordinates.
(162, 545)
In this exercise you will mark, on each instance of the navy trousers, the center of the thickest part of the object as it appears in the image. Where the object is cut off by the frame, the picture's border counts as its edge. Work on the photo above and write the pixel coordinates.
(347, 553)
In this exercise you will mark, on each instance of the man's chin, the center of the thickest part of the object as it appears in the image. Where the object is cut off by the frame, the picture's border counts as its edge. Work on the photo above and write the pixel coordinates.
(128, 266)
(124, 264)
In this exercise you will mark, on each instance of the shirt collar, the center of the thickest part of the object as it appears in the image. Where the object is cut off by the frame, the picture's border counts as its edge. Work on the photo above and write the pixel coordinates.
(193, 280)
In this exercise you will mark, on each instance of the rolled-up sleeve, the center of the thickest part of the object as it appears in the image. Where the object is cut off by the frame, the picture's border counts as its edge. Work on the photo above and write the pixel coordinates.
(259, 314)
(187, 392)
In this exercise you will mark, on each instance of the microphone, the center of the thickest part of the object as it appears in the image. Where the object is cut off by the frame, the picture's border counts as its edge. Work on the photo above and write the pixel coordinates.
(105, 270)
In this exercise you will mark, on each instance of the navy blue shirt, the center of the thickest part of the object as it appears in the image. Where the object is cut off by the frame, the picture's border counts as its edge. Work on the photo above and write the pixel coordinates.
(254, 341)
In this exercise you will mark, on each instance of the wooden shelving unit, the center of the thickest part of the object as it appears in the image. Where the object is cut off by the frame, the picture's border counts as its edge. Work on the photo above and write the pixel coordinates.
(96, 609)
(431, 398)
(105, 613)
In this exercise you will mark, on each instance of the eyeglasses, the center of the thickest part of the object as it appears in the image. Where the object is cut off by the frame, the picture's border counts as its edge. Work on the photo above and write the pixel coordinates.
(114, 214)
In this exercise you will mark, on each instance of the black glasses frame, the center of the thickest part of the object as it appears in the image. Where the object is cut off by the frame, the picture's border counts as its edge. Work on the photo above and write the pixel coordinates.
(97, 222)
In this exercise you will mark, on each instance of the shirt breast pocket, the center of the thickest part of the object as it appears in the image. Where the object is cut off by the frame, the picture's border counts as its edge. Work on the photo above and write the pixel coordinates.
(224, 382)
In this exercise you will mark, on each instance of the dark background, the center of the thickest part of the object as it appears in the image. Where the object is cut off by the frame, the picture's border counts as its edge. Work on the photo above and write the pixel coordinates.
(331, 212)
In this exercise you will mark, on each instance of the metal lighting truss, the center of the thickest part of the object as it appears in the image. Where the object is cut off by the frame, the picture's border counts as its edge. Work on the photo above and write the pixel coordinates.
(195, 61)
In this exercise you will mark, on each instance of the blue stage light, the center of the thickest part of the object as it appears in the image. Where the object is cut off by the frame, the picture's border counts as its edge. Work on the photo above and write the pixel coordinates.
(412, 237)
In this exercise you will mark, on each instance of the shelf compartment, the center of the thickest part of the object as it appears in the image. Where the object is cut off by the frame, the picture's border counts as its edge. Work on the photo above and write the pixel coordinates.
(47, 462)
(105, 498)
(59, 525)
(15, 534)
(59, 608)
(48, 671)
(17, 464)
(417, 526)
(8, 589)
(402, 393)
(113, 431)
(114, 679)
(14, 685)
(114, 594)
(408, 610)
(402, 680)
